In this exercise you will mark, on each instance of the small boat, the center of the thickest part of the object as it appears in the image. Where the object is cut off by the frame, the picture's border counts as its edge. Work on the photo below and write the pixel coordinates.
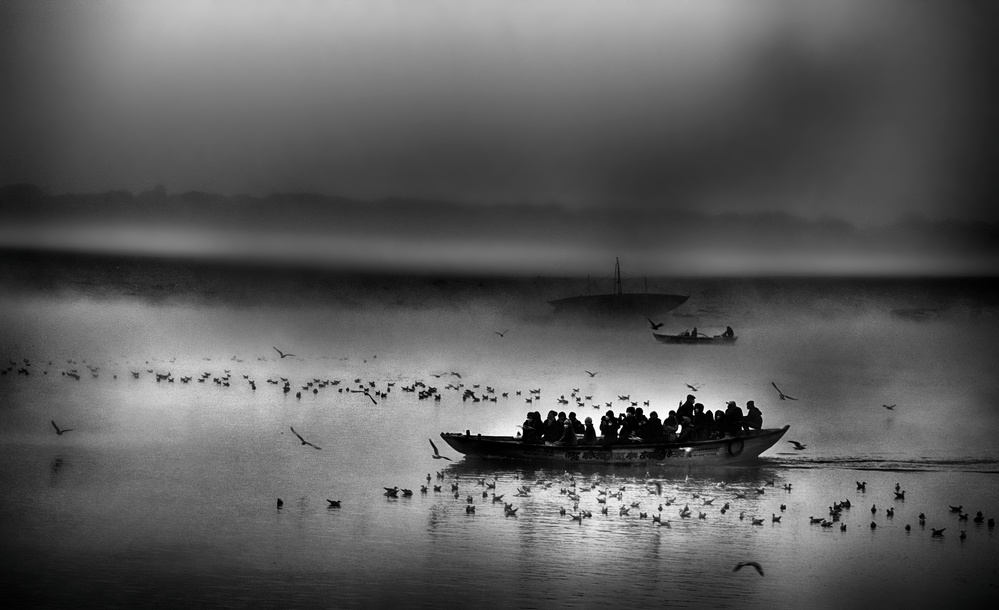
(619, 303)
(699, 339)
(917, 314)
(730, 451)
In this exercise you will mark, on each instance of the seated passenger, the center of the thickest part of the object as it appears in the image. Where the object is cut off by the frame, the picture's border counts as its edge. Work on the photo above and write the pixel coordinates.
(577, 426)
(719, 428)
(530, 434)
(728, 332)
(568, 435)
(754, 417)
(589, 434)
(670, 426)
(551, 431)
(733, 419)
(608, 427)
(652, 430)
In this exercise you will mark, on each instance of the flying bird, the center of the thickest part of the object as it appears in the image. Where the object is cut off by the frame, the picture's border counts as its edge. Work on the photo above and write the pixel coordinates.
(437, 454)
(693, 388)
(889, 407)
(502, 334)
(282, 354)
(783, 396)
(653, 325)
(365, 392)
(752, 564)
(59, 431)
(304, 442)
(797, 446)
(590, 374)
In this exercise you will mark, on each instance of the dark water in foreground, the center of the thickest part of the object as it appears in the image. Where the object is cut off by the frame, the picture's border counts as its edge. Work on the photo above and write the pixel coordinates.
(165, 492)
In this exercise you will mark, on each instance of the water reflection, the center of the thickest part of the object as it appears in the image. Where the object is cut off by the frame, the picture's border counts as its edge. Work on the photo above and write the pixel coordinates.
(55, 466)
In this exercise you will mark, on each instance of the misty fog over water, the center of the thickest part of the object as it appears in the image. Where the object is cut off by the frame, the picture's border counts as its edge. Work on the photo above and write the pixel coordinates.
(240, 238)
(164, 491)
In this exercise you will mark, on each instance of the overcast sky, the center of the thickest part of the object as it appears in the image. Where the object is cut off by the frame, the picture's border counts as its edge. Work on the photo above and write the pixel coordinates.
(857, 109)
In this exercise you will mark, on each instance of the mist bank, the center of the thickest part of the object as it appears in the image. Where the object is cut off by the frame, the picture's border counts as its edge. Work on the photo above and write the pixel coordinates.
(424, 235)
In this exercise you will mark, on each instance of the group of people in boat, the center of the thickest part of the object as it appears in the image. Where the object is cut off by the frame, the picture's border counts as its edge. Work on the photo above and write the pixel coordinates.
(689, 422)
(728, 334)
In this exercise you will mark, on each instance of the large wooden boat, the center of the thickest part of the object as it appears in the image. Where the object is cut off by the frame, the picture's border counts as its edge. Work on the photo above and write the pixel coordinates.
(700, 339)
(619, 303)
(731, 451)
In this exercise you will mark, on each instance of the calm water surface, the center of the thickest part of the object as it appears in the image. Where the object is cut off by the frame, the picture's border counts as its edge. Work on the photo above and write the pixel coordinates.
(165, 492)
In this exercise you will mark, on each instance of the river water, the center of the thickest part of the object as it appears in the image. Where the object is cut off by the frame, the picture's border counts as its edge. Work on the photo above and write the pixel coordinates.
(165, 492)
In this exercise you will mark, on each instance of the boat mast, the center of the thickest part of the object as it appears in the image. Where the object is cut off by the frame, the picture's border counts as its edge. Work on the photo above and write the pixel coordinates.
(617, 276)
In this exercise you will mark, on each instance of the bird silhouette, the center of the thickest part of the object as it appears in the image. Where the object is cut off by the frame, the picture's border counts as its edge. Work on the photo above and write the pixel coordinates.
(654, 325)
(752, 564)
(333, 503)
(365, 392)
(502, 334)
(693, 388)
(282, 354)
(889, 407)
(59, 431)
(797, 446)
(437, 454)
(304, 442)
(783, 396)
(590, 374)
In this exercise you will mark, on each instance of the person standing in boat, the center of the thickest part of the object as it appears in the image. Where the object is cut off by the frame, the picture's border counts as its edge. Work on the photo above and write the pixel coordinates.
(686, 409)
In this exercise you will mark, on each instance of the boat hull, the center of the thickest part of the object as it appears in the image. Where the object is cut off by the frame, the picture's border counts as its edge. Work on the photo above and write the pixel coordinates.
(699, 340)
(642, 304)
(733, 451)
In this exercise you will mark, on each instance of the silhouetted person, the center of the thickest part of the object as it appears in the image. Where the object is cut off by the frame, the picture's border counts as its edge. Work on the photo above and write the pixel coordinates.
(589, 433)
(754, 417)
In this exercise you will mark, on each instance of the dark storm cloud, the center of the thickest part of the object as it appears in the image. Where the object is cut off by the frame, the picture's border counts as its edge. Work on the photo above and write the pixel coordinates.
(856, 109)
